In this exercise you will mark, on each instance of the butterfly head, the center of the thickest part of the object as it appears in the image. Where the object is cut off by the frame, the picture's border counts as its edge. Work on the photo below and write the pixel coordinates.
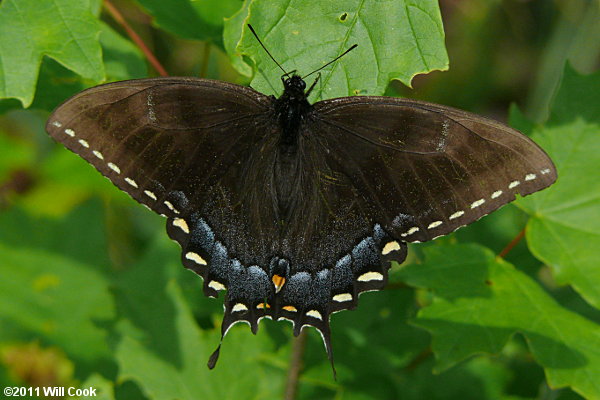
(294, 86)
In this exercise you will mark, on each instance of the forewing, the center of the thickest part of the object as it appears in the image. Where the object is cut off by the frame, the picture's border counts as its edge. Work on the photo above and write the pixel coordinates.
(160, 139)
(428, 169)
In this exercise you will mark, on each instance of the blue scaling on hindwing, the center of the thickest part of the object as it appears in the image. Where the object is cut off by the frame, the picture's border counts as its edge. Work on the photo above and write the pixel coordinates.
(220, 263)
(364, 255)
(203, 236)
(297, 288)
(378, 234)
(281, 289)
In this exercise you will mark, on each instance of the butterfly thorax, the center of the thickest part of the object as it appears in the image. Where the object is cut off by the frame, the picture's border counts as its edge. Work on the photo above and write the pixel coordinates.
(291, 108)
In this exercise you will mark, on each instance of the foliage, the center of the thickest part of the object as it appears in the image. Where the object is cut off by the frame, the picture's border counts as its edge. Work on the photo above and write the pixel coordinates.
(380, 28)
(565, 220)
(65, 30)
(93, 294)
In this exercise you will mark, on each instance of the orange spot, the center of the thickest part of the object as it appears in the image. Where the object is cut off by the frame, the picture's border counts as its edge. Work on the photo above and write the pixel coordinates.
(289, 308)
(278, 281)
(263, 305)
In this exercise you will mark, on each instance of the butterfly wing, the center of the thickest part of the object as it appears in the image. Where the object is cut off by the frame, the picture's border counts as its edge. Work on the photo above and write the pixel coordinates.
(157, 138)
(169, 142)
(206, 155)
(295, 234)
(428, 169)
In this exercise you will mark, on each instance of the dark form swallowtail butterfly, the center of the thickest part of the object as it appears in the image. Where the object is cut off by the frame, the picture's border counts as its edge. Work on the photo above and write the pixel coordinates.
(295, 208)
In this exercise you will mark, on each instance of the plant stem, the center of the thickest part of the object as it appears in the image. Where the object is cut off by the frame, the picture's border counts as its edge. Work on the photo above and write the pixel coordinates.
(512, 244)
(135, 37)
(419, 359)
(291, 386)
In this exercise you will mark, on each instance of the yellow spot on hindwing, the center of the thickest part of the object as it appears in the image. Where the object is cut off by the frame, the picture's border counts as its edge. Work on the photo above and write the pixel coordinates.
(171, 207)
(412, 230)
(370, 276)
(114, 167)
(239, 307)
(216, 285)
(389, 247)
(314, 314)
(340, 298)
(278, 281)
(150, 194)
(181, 224)
(131, 182)
(195, 257)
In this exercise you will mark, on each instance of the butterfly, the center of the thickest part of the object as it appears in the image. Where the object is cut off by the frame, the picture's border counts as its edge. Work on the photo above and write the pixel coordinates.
(293, 208)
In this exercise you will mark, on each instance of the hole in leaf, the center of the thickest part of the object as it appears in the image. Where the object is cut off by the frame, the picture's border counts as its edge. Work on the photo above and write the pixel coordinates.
(343, 17)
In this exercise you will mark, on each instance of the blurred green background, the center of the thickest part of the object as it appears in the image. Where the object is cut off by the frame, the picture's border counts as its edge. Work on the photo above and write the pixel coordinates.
(92, 292)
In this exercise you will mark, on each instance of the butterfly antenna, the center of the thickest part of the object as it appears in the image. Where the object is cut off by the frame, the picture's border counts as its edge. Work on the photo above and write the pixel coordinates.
(334, 60)
(263, 46)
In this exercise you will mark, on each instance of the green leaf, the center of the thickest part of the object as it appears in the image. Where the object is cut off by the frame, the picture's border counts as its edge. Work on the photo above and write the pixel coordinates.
(518, 120)
(65, 30)
(201, 20)
(232, 32)
(16, 153)
(371, 348)
(104, 388)
(577, 97)
(121, 58)
(564, 229)
(162, 349)
(60, 236)
(477, 379)
(480, 301)
(56, 84)
(396, 40)
(56, 291)
(43, 298)
(66, 180)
